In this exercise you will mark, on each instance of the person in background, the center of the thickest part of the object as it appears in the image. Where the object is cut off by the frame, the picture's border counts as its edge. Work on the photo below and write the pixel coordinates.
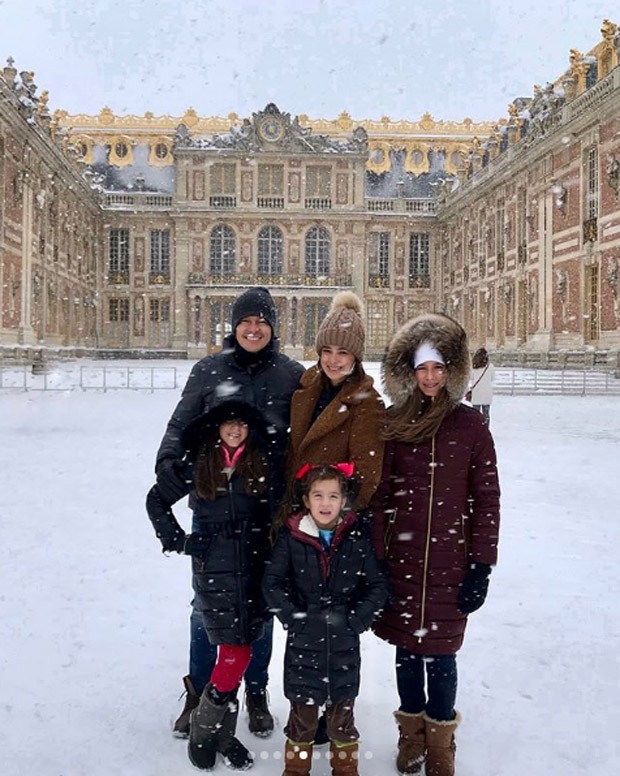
(323, 582)
(436, 525)
(249, 368)
(481, 384)
(226, 472)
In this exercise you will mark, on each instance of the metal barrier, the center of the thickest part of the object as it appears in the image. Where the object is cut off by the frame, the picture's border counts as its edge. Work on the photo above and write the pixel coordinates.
(89, 378)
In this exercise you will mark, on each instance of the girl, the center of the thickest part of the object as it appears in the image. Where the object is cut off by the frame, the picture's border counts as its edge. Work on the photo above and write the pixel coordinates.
(436, 521)
(226, 476)
(481, 386)
(324, 584)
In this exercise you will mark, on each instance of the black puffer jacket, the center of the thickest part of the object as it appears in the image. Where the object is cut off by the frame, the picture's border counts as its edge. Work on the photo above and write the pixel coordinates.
(233, 540)
(267, 386)
(325, 599)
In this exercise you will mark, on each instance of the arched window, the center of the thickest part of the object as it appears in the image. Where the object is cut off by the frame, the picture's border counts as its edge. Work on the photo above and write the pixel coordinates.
(318, 247)
(222, 251)
(270, 250)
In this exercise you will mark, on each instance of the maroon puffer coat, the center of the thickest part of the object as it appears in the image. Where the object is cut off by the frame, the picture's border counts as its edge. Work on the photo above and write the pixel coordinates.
(444, 497)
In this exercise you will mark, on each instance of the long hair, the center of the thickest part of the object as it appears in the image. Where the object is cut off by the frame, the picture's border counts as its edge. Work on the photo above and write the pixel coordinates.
(210, 479)
(418, 417)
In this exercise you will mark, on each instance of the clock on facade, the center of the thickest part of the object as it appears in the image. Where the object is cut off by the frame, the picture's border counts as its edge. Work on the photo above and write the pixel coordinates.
(271, 128)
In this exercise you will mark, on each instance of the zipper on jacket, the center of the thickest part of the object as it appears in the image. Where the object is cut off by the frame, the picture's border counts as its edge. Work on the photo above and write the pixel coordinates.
(243, 613)
(429, 519)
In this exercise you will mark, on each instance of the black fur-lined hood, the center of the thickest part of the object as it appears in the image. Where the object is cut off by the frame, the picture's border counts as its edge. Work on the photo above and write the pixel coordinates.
(445, 335)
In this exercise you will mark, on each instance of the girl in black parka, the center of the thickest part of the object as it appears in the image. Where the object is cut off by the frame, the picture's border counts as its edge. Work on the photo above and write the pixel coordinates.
(225, 470)
(324, 584)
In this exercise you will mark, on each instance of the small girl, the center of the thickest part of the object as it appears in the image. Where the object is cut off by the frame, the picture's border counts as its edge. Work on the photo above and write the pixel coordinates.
(325, 585)
(226, 476)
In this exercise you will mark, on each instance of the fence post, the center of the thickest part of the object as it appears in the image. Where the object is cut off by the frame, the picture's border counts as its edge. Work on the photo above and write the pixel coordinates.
(152, 379)
(583, 390)
(105, 387)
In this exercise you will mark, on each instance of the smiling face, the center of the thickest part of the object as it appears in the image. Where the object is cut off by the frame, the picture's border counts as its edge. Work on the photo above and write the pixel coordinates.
(253, 333)
(325, 501)
(336, 363)
(233, 432)
(430, 377)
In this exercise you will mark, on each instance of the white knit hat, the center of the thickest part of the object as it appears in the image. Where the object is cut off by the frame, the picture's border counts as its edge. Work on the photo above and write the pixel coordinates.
(426, 352)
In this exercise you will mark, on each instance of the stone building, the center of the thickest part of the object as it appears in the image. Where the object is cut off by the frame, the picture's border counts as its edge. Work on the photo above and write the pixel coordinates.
(134, 234)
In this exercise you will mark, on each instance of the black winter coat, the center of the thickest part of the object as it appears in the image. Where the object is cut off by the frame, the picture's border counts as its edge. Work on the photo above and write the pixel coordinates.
(215, 379)
(228, 571)
(325, 598)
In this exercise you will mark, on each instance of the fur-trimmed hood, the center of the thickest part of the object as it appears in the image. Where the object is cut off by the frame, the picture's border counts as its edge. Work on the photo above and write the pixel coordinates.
(445, 335)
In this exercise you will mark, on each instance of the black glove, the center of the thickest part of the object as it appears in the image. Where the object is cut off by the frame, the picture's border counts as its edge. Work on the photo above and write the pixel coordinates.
(474, 588)
(171, 480)
(196, 544)
(173, 543)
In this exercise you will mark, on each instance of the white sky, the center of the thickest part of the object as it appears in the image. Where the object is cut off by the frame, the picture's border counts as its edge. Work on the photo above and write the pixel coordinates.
(455, 59)
(94, 633)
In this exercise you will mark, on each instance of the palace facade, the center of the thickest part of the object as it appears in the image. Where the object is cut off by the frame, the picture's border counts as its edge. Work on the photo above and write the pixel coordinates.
(133, 235)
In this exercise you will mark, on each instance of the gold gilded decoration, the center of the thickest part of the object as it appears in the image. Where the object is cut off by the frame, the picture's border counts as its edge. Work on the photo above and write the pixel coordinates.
(160, 151)
(417, 159)
(121, 150)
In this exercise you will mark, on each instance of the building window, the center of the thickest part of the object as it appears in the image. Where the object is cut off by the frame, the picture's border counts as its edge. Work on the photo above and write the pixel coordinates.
(118, 320)
(270, 180)
(161, 150)
(159, 321)
(160, 252)
(318, 248)
(222, 251)
(379, 260)
(121, 150)
(223, 179)
(592, 196)
(270, 251)
(118, 266)
(318, 181)
(221, 313)
(378, 316)
(419, 260)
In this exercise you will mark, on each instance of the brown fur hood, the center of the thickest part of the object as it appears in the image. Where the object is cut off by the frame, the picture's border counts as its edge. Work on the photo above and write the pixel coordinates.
(445, 335)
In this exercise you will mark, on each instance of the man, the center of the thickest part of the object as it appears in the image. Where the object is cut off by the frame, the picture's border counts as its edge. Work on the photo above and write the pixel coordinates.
(250, 369)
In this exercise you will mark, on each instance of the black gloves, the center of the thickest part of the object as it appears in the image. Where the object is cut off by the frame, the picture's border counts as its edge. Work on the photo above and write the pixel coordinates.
(171, 480)
(474, 588)
(186, 544)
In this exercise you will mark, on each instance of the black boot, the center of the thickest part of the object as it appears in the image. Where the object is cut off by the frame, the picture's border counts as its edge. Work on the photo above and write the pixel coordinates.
(234, 752)
(260, 721)
(180, 729)
(205, 726)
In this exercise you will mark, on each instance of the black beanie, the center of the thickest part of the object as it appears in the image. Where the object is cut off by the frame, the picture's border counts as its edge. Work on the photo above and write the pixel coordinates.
(255, 301)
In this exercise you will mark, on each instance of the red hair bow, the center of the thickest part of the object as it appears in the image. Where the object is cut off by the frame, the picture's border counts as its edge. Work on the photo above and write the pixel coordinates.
(346, 468)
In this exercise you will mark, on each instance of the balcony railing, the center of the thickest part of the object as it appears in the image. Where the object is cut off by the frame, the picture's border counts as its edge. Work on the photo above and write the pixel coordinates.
(419, 281)
(378, 281)
(423, 207)
(274, 203)
(118, 278)
(210, 281)
(159, 278)
(318, 203)
(136, 200)
(223, 202)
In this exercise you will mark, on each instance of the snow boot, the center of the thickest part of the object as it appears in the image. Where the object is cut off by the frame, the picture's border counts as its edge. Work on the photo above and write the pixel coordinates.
(233, 751)
(297, 759)
(344, 757)
(260, 721)
(180, 729)
(411, 743)
(204, 728)
(440, 746)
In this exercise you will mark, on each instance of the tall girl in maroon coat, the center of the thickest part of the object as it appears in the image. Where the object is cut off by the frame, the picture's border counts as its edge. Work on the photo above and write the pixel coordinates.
(436, 521)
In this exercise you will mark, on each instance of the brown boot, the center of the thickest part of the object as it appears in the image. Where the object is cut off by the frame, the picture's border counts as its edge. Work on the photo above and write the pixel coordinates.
(344, 758)
(180, 729)
(440, 746)
(411, 743)
(297, 759)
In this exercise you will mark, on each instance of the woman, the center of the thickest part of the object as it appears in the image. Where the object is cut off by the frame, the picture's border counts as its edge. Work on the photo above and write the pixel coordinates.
(336, 413)
(435, 523)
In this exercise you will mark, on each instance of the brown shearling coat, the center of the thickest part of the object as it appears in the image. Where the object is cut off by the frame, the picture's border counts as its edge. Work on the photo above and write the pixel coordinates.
(348, 429)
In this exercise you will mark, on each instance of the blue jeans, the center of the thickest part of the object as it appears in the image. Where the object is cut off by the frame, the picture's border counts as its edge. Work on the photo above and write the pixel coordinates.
(485, 409)
(441, 681)
(203, 654)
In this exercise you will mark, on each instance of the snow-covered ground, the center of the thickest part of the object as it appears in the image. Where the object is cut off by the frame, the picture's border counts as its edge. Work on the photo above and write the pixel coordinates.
(94, 619)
